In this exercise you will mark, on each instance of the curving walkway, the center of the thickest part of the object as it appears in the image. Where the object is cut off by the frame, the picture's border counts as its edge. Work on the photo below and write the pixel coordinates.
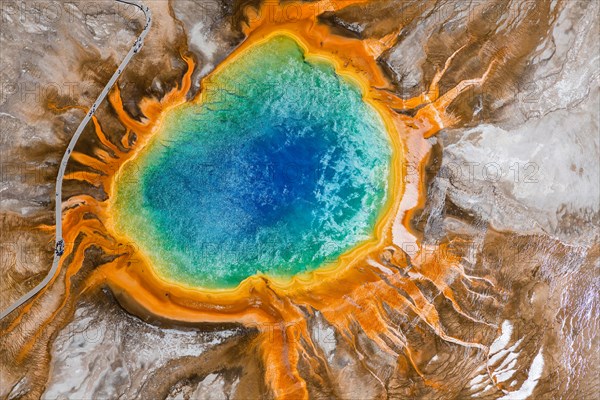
(59, 247)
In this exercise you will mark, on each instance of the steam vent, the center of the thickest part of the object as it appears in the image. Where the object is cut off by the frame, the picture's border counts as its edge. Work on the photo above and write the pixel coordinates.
(267, 199)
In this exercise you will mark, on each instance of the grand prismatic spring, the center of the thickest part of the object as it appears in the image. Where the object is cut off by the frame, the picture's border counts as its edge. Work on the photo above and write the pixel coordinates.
(272, 183)
(303, 200)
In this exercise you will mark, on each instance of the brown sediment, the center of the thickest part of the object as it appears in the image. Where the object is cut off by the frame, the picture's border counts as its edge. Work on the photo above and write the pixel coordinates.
(236, 357)
(343, 292)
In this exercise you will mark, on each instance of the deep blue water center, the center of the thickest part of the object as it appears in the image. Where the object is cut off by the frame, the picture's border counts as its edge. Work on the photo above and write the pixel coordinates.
(279, 169)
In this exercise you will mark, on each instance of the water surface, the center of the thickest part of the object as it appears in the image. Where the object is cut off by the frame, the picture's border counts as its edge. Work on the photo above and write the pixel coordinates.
(280, 169)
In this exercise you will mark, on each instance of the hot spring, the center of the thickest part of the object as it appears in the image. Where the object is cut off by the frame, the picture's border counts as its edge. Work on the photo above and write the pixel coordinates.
(279, 168)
